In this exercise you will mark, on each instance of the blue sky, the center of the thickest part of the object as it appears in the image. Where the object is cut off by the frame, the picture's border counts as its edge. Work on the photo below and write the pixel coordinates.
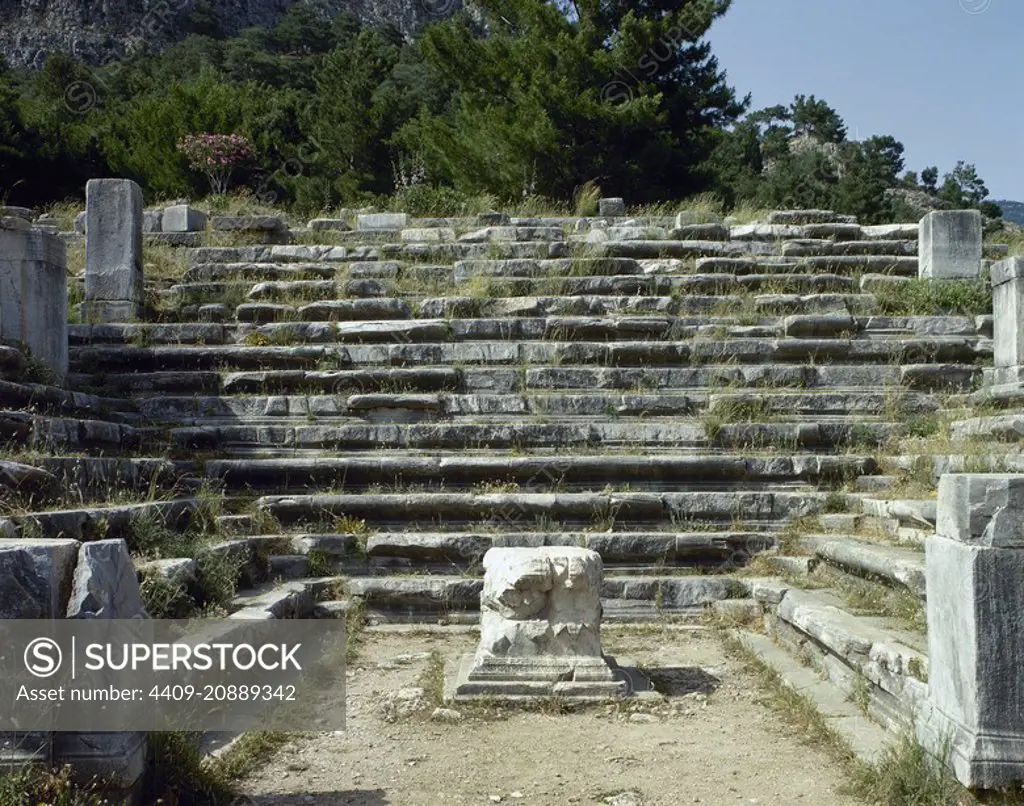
(945, 77)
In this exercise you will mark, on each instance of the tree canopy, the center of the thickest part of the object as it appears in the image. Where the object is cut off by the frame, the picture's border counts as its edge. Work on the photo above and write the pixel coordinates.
(513, 98)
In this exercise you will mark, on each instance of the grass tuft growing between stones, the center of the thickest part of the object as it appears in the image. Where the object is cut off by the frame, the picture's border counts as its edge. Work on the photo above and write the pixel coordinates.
(928, 298)
(36, 786)
(905, 775)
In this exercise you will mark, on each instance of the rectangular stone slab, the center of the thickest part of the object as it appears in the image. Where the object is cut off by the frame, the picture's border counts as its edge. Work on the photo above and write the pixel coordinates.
(113, 252)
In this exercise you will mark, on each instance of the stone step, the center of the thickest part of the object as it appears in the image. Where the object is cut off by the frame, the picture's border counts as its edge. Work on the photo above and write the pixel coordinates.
(452, 252)
(1004, 428)
(802, 434)
(866, 657)
(463, 469)
(427, 597)
(93, 475)
(816, 248)
(723, 548)
(866, 738)
(396, 349)
(296, 598)
(506, 379)
(891, 565)
(511, 318)
(385, 406)
(50, 399)
(43, 433)
(292, 253)
(259, 272)
(97, 522)
(916, 513)
(507, 509)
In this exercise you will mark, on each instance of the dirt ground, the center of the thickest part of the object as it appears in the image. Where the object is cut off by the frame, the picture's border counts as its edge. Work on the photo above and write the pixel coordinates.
(710, 740)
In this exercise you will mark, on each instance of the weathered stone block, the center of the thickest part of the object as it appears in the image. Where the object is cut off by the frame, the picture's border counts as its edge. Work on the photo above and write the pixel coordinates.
(975, 579)
(152, 221)
(540, 619)
(113, 241)
(982, 509)
(607, 208)
(36, 577)
(1008, 312)
(949, 245)
(105, 583)
(183, 218)
(34, 296)
(387, 221)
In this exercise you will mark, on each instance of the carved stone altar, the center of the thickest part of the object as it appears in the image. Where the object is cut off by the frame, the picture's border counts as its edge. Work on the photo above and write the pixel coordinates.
(540, 628)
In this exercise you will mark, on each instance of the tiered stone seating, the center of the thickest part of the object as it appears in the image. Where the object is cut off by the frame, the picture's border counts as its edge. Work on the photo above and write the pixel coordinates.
(388, 405)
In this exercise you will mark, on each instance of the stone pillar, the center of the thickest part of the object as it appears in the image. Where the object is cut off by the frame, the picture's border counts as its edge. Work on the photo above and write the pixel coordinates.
(975, 578)
(1007, 322)
(949, 245)
(34, 294)
(540, 627)
(113, 251)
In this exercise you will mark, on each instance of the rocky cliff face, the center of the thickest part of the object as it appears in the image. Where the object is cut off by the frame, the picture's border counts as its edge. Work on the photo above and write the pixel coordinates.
(96, 31)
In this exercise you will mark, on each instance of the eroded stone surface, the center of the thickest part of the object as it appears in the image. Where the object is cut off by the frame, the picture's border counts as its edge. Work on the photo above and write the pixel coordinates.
(540, 619)
(105, 583)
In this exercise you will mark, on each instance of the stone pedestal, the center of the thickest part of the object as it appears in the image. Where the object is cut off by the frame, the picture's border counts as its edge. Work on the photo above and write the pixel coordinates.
(34, 294)
(949, 245)
(113, 251)
(540, 628)
(975, 577)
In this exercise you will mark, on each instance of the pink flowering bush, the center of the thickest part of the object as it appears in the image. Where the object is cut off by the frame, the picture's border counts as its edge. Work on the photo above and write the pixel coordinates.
(216, 155)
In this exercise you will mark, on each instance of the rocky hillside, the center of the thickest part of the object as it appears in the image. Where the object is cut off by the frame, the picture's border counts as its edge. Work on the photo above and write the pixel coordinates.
(98, 30)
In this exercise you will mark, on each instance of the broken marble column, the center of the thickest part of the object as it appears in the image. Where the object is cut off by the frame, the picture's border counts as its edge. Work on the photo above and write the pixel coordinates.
(949, 245)
(540, 627)
(975, 584)
(34, 294)
(113, 251)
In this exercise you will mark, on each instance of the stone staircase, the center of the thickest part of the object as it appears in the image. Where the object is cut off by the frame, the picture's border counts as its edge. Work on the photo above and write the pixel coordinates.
(708, 407)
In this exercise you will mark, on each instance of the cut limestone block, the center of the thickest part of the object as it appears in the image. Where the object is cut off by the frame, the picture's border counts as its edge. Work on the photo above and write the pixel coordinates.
(975, 578)
(36, 577)
(113, 251)
(382, 221)
(949, 245)
(105, 583)
(183, 218)
(34, 297)
(1007, 322)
